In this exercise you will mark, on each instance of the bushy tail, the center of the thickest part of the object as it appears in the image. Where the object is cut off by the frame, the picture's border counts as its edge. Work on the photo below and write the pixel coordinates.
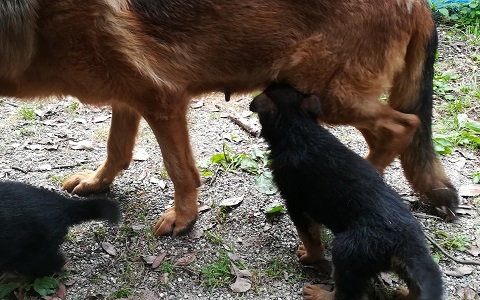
(424, 278)
(98, 209)
(412, 93)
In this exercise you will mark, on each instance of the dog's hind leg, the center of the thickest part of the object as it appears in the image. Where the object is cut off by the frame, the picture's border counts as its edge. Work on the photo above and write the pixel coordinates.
(311, 252)
(121, 140)
(170, 129)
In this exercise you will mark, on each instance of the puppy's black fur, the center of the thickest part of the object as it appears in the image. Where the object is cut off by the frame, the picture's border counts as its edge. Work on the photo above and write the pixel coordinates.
(324, 182)
(33, 225)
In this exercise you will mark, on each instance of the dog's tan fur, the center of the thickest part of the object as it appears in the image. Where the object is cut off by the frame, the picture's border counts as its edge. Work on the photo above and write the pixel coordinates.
(110, 52)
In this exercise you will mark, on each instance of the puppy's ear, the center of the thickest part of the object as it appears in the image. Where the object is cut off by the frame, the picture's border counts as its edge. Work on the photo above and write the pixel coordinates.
(262, 104)
(312, 105)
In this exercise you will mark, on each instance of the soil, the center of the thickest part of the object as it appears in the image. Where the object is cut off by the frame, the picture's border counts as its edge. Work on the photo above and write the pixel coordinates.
(42, 152)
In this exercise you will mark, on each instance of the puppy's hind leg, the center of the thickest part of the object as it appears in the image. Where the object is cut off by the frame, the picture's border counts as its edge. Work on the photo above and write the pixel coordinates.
(121, 140)
(311, 253)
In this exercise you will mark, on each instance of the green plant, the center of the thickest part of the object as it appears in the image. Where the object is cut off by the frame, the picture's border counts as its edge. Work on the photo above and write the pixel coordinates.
(27, 113)
(123, 292)
(275, 269)
(167, 268)
(451, 242)
(441, 84)
(461, 131)
(214, 238)
(42, 286)
(217, 273)
(476, 177)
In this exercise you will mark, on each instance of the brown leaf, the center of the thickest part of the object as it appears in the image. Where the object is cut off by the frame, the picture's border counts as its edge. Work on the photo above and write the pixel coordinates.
(158, 260)
(100, 119)
(164, 278)
(186, 260)
(140, 155)
(239, 273)
(149, 259)
(149, 295)
(231, 201)
(70, 282)
(469, 294)
(202, 207)
(459, 272)
(109, 248)
(241, 285)
(82, 145)
(196, 104)
(34, 147)
(195, 234)
(469, 190)
(475, 251)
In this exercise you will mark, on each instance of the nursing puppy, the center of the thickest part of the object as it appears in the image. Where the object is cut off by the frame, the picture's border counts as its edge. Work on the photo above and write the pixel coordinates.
(33, 225)
(324, 182)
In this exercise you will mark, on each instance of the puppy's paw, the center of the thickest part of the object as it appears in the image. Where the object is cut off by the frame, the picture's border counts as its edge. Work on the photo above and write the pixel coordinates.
(85, 183)
(402, 293)
(315, 292)
(174, 223)
(314, 259)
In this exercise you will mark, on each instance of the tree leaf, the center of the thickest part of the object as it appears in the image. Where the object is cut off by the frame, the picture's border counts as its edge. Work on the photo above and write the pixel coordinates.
(231, 201)
(459, 272)
(7, 288)
(469, 190)
(109, 248)
(241, 285)
(45, 286)
(186, 260)
(274, 208)
(264, 183)
(158, 260)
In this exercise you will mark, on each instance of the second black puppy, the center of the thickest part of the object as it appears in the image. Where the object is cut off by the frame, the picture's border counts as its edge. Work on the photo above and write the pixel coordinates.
(33, 225)
(324, 182)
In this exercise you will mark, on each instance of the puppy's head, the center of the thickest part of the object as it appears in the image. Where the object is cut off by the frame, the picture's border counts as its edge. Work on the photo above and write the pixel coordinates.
(281, 102)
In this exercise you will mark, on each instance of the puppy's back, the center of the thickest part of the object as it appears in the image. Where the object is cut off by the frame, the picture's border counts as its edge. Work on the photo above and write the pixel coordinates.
(32, 219)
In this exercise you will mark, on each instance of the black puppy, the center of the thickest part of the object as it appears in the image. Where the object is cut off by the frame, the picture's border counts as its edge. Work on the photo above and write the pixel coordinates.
(33, 225)
(324, 182)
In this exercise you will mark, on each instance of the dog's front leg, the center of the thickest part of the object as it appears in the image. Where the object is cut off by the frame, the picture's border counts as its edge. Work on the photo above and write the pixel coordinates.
(121, 140)
(170, 129)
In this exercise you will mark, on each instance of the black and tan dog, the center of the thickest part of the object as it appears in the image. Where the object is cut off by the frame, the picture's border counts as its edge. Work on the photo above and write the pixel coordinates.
(148, 58)
(33, 225)
(324, 182)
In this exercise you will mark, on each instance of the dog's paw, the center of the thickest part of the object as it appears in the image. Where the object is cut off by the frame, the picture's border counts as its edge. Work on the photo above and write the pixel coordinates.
(85, 183)
(174, 223)
(315, 292)
(402, 293)
(314, 259)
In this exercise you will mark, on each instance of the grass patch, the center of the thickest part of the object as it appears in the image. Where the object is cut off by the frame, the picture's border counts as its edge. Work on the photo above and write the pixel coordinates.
(217, 273)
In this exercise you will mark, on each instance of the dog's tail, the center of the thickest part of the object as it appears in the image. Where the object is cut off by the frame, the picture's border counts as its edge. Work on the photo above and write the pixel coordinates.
(412, 93)
(423, 275)
(98, 209)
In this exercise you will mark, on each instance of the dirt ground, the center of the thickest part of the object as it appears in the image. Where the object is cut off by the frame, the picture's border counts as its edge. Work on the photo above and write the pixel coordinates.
(64, 137)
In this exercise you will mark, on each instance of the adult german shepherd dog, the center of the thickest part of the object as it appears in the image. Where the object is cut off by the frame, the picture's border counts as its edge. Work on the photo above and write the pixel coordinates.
(148, 58)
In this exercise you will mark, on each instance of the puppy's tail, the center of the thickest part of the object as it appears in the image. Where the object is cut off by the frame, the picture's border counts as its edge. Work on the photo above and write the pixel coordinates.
(412, 93)
(98, 209)
(423, 276)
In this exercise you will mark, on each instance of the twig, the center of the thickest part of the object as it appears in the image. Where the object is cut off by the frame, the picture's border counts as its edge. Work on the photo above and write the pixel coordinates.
(210, 182)
(19, 169)
(422, 215)
(244, 126)
(67, 166)
(457, 260)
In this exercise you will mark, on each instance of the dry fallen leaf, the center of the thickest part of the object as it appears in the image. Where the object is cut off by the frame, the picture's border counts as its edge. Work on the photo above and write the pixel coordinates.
(186, 260)
(202, 206)
(149, 295)
(160, 182)
(163, 278)
(239, 273)
(158, 260)
(149, 259)
(231, 201)
(196, 104)
(100, 119)
(241, 285)
(195, 234)
(459, 272)
(82, 145)
(140, 155)
(109, 248)
(469, 190)
(34, 147)
(475, 251)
